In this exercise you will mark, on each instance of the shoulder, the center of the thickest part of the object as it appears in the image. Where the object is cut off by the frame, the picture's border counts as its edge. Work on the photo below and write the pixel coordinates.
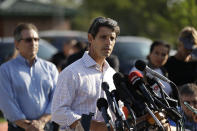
(8, 64)
(171, 59)
(47, 64)
(170, 62)
(75, 67)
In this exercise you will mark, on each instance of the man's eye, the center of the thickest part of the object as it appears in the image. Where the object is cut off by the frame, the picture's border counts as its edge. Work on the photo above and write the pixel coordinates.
(103, 37)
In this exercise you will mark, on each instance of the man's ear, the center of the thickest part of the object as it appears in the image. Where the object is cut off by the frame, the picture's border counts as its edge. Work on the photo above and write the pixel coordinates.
(90, 37)
(16, 43)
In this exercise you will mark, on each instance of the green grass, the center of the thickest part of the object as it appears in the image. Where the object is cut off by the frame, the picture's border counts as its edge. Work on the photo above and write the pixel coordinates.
(2, 119)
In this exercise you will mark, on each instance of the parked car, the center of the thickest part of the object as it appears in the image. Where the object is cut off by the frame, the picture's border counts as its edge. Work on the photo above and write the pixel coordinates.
(7, 49)
(58, 37)
(129, 49)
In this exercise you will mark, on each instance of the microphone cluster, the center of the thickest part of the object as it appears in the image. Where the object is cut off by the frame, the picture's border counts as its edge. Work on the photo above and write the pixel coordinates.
(137, 99)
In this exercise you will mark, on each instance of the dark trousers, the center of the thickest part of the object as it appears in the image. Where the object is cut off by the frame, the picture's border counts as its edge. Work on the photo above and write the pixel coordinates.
(51, 126)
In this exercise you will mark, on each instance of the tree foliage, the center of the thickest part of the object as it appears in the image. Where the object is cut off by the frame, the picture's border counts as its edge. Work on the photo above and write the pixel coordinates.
(155, 19)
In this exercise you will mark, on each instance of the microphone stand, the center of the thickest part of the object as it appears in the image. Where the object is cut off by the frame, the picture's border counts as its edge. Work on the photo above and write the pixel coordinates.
(154, 117)
(121, 116)
(178, 122)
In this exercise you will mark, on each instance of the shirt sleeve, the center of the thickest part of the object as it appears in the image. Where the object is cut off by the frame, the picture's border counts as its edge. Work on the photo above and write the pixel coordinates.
(54, 76)
(8, 104)
(64, 95)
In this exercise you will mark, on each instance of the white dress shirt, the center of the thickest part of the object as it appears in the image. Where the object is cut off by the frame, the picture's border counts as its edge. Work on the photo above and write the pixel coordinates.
(77, 91)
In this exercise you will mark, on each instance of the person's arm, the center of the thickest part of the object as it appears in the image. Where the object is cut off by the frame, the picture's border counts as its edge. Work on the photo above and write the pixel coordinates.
(98, 126)
(45, 118)
(94, 126)
(40, 123)
(64, 95)
(54, 76)
(8, 103)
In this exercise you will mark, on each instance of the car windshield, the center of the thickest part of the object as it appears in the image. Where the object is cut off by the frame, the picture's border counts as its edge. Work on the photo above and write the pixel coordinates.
(6, 51)
(129, 49)
(46, 50)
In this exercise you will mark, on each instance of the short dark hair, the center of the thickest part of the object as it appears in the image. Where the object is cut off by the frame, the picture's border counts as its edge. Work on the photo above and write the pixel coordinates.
(23, 26)
(189, 89)
(159, 42)
(102, 21)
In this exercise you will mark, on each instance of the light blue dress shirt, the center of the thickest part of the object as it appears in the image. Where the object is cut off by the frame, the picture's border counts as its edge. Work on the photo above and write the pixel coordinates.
(26, 91)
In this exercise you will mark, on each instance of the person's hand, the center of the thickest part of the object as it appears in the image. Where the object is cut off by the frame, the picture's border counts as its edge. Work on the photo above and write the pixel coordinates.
(98, 126)
(195, 117)
(36, 125)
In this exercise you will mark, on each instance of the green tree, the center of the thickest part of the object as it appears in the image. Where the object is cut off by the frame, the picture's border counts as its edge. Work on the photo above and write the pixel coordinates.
(160, 19)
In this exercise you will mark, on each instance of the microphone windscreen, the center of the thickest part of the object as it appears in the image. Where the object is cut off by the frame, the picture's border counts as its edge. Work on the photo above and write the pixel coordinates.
(125, 111)
(117, 78)
(134, 75)
(102, 102)
(105, 86)
(140, 65)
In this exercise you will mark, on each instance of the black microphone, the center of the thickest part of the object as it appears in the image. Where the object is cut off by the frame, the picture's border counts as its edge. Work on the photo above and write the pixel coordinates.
(171, 101)
(128, 95)
(141, 65)
(105, 87)
(136, 81)
(102, 105)
(136, 98)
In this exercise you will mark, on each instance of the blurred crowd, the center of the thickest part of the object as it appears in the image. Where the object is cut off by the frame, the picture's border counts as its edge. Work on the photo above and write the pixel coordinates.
(29, 83)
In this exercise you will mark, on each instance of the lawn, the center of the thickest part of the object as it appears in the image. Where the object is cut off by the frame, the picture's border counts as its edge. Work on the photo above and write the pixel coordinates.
(2, 119)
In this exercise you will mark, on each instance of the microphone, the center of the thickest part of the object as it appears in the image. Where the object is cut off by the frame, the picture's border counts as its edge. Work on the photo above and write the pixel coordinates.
(164, 95)
(102, 105)
(133, 97)
(120, 114)
(135, 78)
(126, 95)
(192, 109)
(105, 87)
(112, 100)
(141, 65)
(165, 101)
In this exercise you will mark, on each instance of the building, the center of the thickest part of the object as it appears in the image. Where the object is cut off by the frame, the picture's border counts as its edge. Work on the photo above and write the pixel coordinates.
(44, 16)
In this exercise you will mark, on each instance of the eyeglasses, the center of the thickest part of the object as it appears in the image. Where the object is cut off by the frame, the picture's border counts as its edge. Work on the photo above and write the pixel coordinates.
(28, 40)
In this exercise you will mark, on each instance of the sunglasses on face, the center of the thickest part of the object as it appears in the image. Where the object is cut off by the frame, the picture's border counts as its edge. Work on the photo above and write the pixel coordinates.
(28, 40)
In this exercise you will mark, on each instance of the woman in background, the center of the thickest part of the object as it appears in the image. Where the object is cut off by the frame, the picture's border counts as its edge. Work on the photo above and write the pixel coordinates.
(158, 56)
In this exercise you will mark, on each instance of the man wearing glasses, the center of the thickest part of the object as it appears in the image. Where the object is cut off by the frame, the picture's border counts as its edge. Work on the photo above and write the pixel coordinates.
(181, 70)
(188, 96)
(27, 84)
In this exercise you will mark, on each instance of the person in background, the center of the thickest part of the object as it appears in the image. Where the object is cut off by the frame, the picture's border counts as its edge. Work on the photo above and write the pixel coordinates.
(113, 62)
(61, 57)
(79, 84)
(158, 56)
(188, 93)
(80, 48)
(180, 69)
(27, 84)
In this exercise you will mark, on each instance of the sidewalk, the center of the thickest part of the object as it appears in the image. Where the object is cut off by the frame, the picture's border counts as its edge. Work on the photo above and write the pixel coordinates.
(3, 126)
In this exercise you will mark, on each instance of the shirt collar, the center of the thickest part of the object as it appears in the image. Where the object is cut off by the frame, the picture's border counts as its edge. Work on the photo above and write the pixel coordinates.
(24, 61)
(90, 62)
